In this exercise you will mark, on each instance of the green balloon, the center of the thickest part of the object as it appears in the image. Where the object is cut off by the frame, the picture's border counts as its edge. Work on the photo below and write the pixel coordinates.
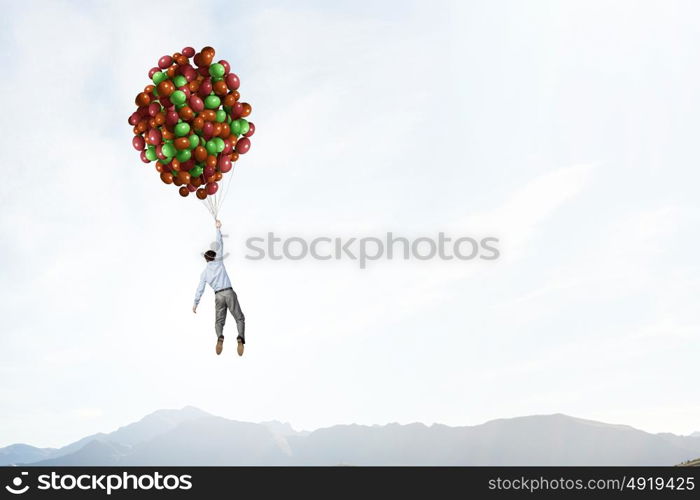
(184, 155)
(212, 148)
(220, 145)
(182, 129)
(151, 153)
(194, 141)
(212, 102)
(197, 171)
(168, 150)
(179, 81)
(217, 79)
(236, 127)
(217, 70)
(178, 97)
(167, 160)
(159, 77)
(220, 116)
(155, 91)
(245, 127)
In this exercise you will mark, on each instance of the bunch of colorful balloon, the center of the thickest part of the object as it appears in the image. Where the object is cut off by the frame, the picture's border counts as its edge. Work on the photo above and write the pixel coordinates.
(191, 122)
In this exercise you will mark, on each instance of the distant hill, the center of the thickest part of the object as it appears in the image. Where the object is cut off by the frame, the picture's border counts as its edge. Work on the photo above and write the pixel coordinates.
(192, 437)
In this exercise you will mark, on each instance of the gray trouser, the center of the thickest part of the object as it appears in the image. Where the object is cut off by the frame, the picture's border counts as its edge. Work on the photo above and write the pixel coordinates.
(224, 300)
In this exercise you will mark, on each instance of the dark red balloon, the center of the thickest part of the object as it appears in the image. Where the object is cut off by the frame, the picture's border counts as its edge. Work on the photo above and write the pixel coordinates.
(134, 119)
(237, 110)
(153, 109)
(212, 188)
(208, 130)
(226, 65)
(205, 87)
(225, 164)
(251, 130)
(232, 81)
(165, 62)
(172, 118)
(143, 157)
(153, 71)
(139, 143)
(196, 103)
(188, 52)
(243, 145)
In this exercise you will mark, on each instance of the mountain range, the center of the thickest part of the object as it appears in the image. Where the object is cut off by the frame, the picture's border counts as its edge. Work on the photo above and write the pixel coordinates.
(190, 436)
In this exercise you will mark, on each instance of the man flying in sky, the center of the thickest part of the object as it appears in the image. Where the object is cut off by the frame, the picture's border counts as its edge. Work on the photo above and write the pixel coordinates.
(224, 296)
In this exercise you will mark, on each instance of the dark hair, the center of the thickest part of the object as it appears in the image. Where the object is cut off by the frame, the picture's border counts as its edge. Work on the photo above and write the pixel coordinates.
(209, 255)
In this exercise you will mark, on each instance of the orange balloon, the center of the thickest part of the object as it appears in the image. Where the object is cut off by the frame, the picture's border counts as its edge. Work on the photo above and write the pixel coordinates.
(200, 154)
(247, 109)
(211, 178)
(198, 123)
(230, 99)
(184, 177)
(166, 88)
(211, 161)
(159, 118)
(159, 167)
(220, 87)
(217, 129)
(218, 176)
(184, 192)
(143, 99)
(186, 113)
(166, 177)
(177, 181)
(209, 115)
(180, 59)
(209, 50)
(194, 85)
(182, 143)
(225, 131)
(234, 156)
(201, 194)
(171, 71)
(175, 164)
(142, 126)
(236, 94)
(152, 123)
(167, 134)
(197, 181)
(149, 89)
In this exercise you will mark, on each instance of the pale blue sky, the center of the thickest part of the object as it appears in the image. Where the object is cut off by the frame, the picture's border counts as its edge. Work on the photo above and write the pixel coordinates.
(567, 129)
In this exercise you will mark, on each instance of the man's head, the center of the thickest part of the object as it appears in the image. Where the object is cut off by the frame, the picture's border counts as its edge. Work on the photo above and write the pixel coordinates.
(209, 255)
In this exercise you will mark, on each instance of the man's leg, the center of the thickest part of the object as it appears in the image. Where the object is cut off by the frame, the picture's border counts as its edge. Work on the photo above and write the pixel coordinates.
(235, 307)
(220, 309)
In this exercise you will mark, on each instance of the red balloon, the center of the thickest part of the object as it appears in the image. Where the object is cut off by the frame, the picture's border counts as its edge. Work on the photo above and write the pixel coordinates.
(154, 136)
(209, 171)
(165, 62)
(243, 145)
(172, 118)
(225, 164)
(143, 157)
(208, 130)
(188, 51)
(153, 109)
(237, 110)
(196, 103)
(205, 87)
(228, 146)
(226, 65)
(232, 81)
(191, 188)
(212, 187)
(152, 72)
(251, 130)
(139, 143)
(134, 119)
